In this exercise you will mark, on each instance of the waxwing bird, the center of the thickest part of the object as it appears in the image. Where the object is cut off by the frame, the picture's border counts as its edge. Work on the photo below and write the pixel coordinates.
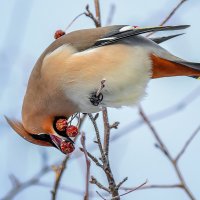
(68, 74)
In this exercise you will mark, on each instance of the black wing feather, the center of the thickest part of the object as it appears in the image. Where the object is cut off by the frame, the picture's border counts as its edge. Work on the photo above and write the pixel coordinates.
(117, 35)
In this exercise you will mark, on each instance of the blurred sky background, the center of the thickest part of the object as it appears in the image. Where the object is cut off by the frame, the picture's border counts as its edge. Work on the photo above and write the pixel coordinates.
(27, 28)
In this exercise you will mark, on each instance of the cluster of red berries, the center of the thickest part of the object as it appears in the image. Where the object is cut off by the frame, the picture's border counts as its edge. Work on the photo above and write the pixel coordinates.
(71, 131)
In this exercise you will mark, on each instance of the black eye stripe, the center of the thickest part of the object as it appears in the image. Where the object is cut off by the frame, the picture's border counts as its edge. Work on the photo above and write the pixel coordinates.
(43, 137)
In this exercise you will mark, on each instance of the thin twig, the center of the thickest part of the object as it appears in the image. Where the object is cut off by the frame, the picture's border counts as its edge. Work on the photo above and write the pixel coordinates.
(101, 87)
(111, 14)
(106, 131)
(162, 114)
(105, 149)
(172, 12)
(81, 121)
(72, 190)
(161, 143)
(95, 160)
(106, 165)
(59, 173)
(70, 24)
(23, 185)
(167, 154)
(89, 14)
(173, 186)
(98, 136)
(177, 107)
(121, 183)
(97, 183)
(100, 195)
(98, 12)
(115, 125)
(14, 180)
(187, 144)
(96, 116)
(170, 15)
(68, 189)
(86, 196)
(134, 189)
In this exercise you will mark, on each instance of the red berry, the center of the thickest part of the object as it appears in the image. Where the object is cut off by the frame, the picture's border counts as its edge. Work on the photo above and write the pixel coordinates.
(67, 147)
(72, 131)
(61, 124)
(58, 34)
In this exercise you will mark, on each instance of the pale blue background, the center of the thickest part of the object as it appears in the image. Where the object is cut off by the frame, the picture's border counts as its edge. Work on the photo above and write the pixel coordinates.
(27, 28)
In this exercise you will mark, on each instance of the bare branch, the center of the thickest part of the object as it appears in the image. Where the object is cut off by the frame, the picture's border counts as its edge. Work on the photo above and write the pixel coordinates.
(104, 150)
(95, 160)
(86, 196)
(115, 125)
(161, 144)
(14, 180)
(100, 195)
(121, 183)
(97, 135)
(168, 155)
(104, 158)
(94, 181)
(24, 185)
(89, 14)
(96, 116)
(172, 12)
(98, 12)
(59, 172)
(187, 144)
(106, 131)
(170, 15)
(111, 14)
(134, 189)
(173, 186)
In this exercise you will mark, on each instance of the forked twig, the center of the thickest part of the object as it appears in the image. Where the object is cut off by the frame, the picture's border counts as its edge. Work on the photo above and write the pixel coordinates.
(164, 149)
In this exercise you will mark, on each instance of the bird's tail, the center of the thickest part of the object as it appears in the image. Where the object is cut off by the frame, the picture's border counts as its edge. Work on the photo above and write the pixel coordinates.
(195, 77)
(167, 68)
(195, 66)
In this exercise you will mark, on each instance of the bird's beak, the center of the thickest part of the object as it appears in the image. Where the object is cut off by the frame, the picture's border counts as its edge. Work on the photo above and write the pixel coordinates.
(58, 140)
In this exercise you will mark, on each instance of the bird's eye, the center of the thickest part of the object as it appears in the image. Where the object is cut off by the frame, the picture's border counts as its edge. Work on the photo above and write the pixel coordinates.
(43, 137)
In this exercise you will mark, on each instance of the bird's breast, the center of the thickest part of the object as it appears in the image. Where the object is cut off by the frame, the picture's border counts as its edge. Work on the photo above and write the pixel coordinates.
(126, 70)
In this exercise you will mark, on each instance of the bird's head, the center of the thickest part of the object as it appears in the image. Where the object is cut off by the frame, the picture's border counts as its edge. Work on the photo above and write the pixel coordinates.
(45, 102)
(44, 132)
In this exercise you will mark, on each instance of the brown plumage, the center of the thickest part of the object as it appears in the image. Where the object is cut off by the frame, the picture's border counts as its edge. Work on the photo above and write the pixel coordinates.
(69, 72)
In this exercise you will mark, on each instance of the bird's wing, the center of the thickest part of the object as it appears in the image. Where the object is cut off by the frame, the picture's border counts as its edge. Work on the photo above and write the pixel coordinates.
(82, 40)
(87, 38)
(129, 34)
(159, 40)
(130, 31)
